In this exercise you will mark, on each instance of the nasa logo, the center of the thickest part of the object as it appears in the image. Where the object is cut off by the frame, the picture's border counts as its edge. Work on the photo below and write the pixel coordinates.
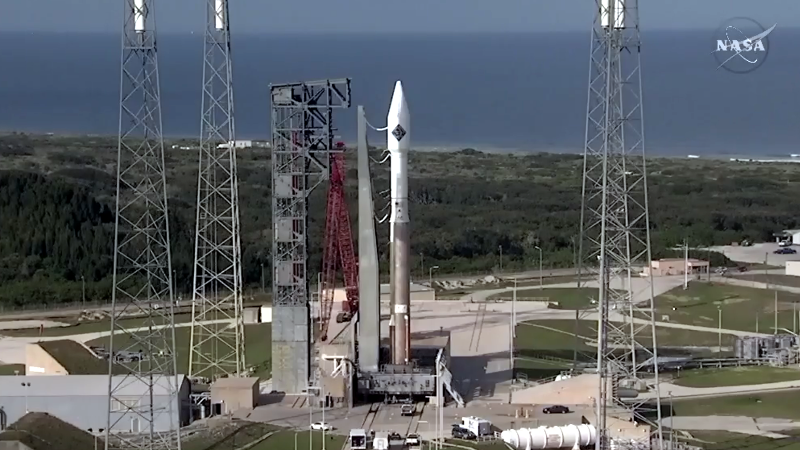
(742, 45)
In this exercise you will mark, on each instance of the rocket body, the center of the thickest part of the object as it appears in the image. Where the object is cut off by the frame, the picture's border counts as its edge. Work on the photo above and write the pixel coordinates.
(398, 123)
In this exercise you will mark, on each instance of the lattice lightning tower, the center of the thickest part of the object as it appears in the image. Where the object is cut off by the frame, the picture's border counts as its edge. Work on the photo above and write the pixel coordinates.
(217, 342)
(143, 399)
(615, 223)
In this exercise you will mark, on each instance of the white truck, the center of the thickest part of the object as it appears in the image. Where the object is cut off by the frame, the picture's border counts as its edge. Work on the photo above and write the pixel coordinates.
(477, 426)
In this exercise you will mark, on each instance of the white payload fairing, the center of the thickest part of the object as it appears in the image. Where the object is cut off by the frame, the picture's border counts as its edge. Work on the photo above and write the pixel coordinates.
(398, 125)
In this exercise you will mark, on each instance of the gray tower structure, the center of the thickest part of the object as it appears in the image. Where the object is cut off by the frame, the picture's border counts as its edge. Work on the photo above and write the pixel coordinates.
(142, 265)
(302, 140)
(217, 349)
(615, 222)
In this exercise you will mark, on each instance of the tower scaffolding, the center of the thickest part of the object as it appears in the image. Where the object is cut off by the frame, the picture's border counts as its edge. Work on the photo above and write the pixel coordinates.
(217, 338)
(615, 236)
(302, 141)
(143, 382)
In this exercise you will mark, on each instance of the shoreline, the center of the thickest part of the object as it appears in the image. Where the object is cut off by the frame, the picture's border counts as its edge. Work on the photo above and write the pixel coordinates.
(454, 148)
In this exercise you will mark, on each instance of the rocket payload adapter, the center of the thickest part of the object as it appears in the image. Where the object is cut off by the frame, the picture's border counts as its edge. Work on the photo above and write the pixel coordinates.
(398, 123)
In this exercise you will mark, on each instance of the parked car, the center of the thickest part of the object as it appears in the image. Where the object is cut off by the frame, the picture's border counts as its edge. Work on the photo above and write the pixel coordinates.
(461, 433)
(556, 409)
(321, 426)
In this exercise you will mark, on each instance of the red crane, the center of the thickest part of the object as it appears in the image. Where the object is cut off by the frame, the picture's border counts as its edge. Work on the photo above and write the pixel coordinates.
(338, 250)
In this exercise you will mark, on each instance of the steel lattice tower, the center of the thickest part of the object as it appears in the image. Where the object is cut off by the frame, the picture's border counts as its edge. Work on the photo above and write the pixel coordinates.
(217, 342)
(615, 223)
(302, 142)
(143, 399)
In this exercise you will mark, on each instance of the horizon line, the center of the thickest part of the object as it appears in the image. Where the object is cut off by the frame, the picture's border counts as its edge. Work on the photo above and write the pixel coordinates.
(355, 32)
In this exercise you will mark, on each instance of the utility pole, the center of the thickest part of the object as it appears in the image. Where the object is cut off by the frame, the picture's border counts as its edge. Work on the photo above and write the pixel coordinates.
(514, 309)
(575, 343)
(776, 312)
(719, 331)
(541, 278)
(685, 264)
(500, 248)
(83, 292)
(430, 275)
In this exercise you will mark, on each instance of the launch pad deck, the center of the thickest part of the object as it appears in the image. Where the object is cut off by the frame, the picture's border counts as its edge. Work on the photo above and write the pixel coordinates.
(417, 379)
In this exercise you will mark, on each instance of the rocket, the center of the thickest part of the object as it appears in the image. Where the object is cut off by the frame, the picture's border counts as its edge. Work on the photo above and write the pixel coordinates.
(398, 126)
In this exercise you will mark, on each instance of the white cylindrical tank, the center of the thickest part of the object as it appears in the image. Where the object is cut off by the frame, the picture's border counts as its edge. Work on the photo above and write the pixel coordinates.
(139, 16)
(219, 14)
(550, 437)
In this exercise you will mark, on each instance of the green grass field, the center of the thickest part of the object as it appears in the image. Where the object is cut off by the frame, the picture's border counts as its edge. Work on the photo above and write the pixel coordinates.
(724, 440)
(239, 435)
(545, 348)
(735, 376)
(779, 279)
(781, 405)
(9, 369)
(258, 347)
(742, 307)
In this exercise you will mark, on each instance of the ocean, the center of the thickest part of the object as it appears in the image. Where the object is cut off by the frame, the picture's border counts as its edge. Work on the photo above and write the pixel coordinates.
(514, 92)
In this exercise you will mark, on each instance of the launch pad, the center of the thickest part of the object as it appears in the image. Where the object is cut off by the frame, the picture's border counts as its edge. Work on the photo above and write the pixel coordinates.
(391, 382)
(417, 379)
(360, 364)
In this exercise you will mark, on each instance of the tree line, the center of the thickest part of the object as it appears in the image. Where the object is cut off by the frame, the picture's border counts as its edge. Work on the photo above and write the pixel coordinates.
(57, 229)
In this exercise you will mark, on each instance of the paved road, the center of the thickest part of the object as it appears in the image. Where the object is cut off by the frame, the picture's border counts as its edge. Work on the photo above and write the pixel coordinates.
(12, 349)
(539, 311)
(675, 391)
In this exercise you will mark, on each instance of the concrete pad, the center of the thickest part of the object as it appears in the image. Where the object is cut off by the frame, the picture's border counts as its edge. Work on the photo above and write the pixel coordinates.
(755, 254)
(578, 390)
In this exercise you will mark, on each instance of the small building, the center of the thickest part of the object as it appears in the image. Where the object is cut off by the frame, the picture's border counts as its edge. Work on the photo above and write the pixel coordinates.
(792, 236)
(42, 431)
(677, 266)
(793, 268)
(251, 315)
(63, 357)
(82, 400)
(265, 314)
(235, 393)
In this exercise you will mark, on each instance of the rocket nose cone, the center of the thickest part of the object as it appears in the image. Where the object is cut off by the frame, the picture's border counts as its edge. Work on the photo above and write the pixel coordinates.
(399, 105)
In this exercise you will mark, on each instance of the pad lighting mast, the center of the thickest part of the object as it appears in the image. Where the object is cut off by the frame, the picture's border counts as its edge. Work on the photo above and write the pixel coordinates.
(615, 237)
(217, 341)
(143, 397)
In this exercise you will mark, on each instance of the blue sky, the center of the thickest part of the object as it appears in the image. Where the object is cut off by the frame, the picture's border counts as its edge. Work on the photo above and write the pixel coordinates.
(282, 16)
